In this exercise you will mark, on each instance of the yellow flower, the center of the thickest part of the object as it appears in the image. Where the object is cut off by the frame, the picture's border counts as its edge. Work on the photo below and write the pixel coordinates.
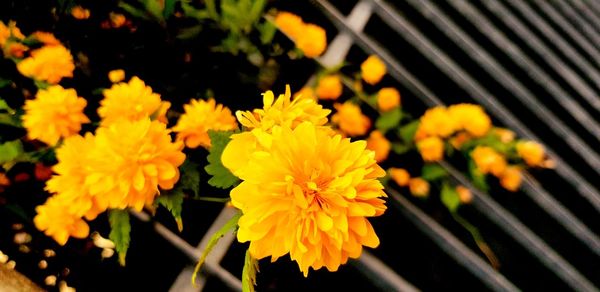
(470, 117)
(511, 178)
(305, 92)
(400, 176)
(329, 87)
(131, 101)
(488, 160)
(49, 64)
(56, 220)
(372, 70)
(388, 98)
(130, 161)
(54, 113)
(201, 116)
(431, 149)
(290, 24)
(437, 122)
(79, 12)
(350, 119)
(15, 50)
(283, 111)
(418, 187)
(309, 195)
(116, 75)
(117, 19)
(9, 31)
(380, 145)
(464, 194)
(460, 139)
(505, 135)
(46, 38)
(312, 41)
(533, 153)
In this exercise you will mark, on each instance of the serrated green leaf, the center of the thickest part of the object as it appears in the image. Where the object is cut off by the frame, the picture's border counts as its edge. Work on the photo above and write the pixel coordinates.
(230, 226)
(477, 177)
(190, 177)
(10, 151)
(449, 197)
(249, 273)
(173, 201)
(407, 132)
(388, 120)
(120, 229)
(221, 176)
(433, 171)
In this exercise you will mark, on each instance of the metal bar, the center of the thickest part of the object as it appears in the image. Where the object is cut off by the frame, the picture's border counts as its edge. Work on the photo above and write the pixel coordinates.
(588, 12)
(564, 170)
(487, 207)
(560, 67)
(450, 244)
(192, 253)
(380, 274)
(535, 191)
(582, 23)
(593, 5)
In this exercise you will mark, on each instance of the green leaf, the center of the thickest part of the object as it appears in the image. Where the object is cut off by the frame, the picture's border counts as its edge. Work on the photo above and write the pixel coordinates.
(190, 177)
(433, 171)
(477, 176)
(173, 201)
(449, 197)
(4, 82)
(189, 32)
(154, 8)
(169, 8)
(256, 11)
(212, 9)
(133, 11)
(10, 151)
(407, 132)
(249, 273)
(399, 148)
(230, 226)
(267, 32)
(3, 105)
(120, 229)
(41, 84)
(221, 176)
(388, 120)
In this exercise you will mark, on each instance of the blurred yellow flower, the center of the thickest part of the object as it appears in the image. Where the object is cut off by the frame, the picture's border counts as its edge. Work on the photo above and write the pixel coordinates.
(54, 113)
(79, 12)
(312, 41)
(431, 149)
(470, 117)
(460, 139)
(372, 70)
(350, 120)
(380, 145)
(488, 160)
(46, 38)
(511, 178)
(464, 194)
(131, 101)
(199, 117)
(388, 98)
(15, 50)
(400, 176)
(418, 187)
(290, 24)
(309, 194)
(117, 75)
(49, 64)
(9, 31)
(330, 87)
(305, 92)
(533, 153)
(130, 161)
(55, 219)
(437, 122)
(117, 19)
(505, 135)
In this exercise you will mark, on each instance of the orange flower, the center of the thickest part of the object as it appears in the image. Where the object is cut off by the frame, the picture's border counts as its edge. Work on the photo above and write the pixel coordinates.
(533, 153)
(400, 176)
(329, 87)
(305, 92)
(380, 145)
(372, 70)
(460, 139)
(80, 13)
(46, 38)
(16, 50)
(312, 41)
(388, 99)
(57, 221)
(117, 19)
(511, 178)
(49, 64)
(464, 194)
(418, 187)
(9, 31)
(290, 24)
(437, 122)
(117, 75)
(350, 120)
(201, 116)
(431, 149)
(488, 160)
(470, 117)
(505, 135)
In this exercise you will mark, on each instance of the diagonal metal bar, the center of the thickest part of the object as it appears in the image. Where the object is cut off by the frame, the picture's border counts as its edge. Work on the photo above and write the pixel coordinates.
(484, 204)
(450, 244)
(380, 274)
(587, 12)
(593, 6)
(534, 42)
(576, 18)
(535, 191)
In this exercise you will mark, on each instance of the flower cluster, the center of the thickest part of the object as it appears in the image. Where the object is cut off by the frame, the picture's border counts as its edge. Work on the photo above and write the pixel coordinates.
(305, 190)
(311, 39)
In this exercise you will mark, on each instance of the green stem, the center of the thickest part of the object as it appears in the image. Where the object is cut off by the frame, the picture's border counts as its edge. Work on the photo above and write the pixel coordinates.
(483, 246)
(210, 199)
